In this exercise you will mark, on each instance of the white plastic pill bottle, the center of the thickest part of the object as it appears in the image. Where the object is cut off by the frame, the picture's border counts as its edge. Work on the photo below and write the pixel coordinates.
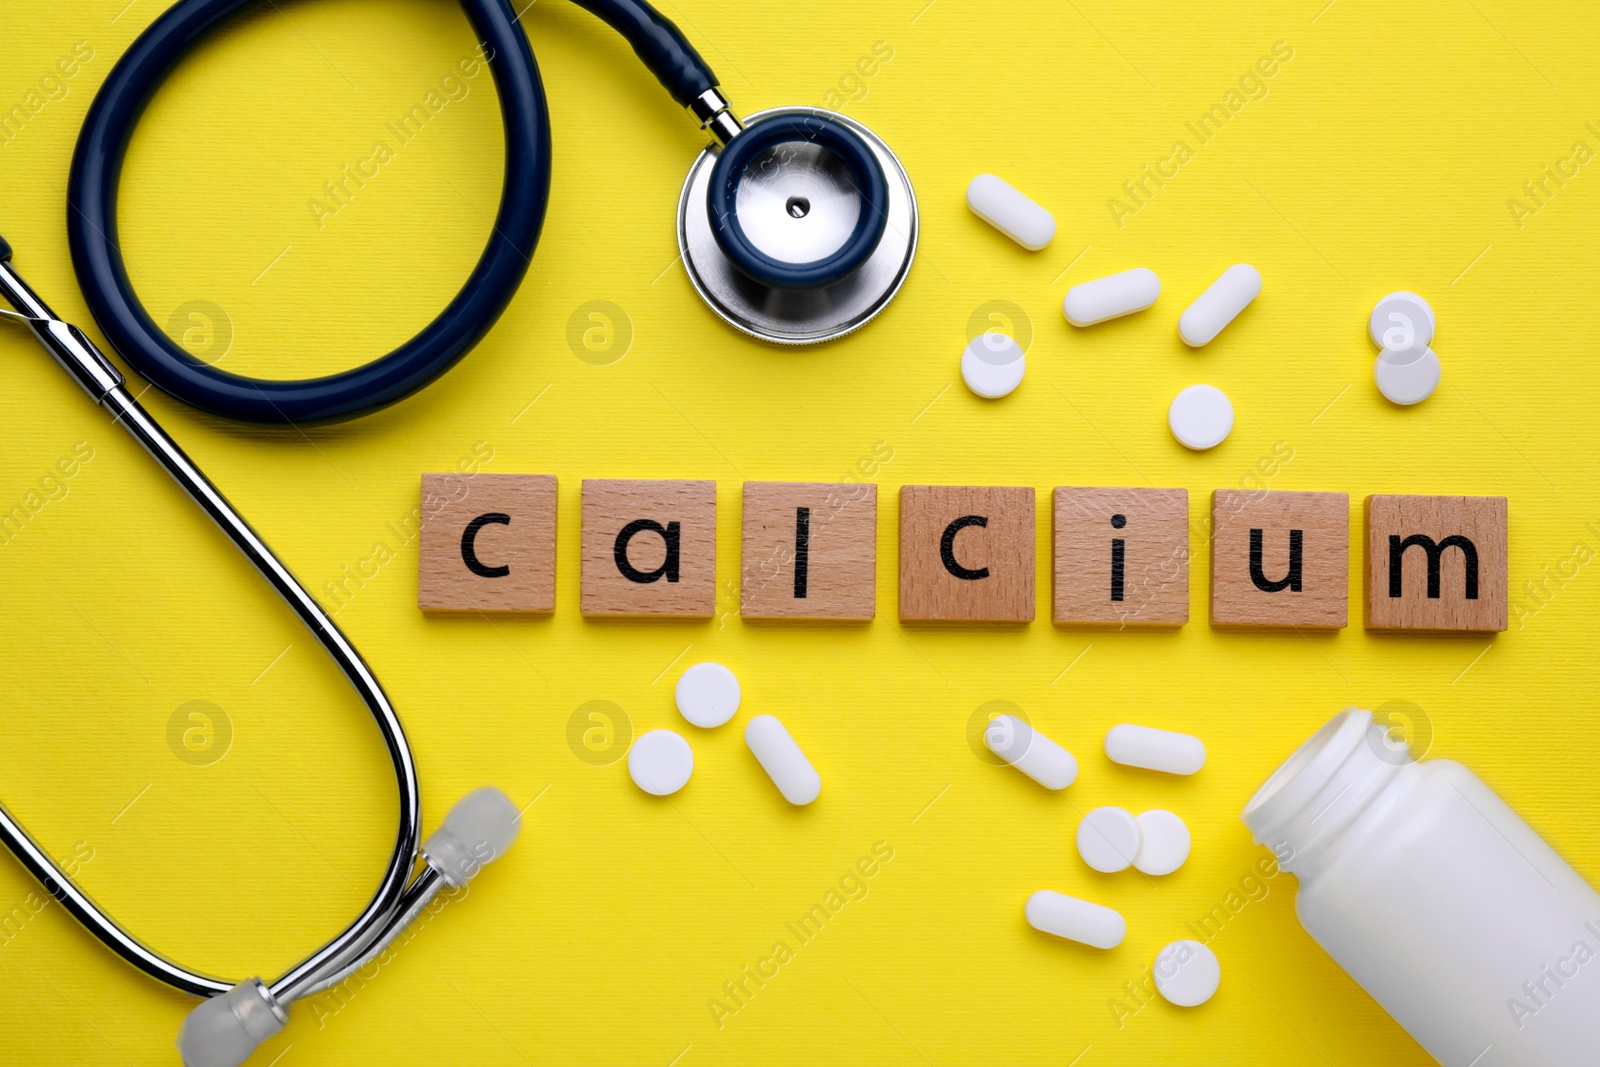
(1437, 899)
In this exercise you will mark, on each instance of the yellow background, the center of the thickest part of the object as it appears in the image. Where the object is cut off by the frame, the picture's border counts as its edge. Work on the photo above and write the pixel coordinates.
(1381, 157)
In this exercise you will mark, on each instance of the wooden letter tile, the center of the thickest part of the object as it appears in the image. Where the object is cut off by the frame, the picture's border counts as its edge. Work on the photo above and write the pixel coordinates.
(966, 553)
(1436, 563)
(1121, 556)
(1280, 559)
(488, 543)
(809, 550)
(649, 548)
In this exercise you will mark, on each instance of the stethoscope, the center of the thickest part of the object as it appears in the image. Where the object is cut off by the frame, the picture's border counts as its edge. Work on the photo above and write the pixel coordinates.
(797, 225)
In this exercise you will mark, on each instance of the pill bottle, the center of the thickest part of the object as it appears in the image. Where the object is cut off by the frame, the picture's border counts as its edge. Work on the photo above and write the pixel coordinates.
(1436, 897)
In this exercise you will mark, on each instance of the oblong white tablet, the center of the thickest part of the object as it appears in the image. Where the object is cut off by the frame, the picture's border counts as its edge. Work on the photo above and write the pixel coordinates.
(660, 762)
(1407, 378)
(1030, 752)
(782, 759)
(707, 694)
(992, 365)
(1187, 973)
(1219, 305)
(1107, 298)
(1401, 321)
(1007, 210)
(1155, 750)
(1163, 842)
(1076, 920)
(1201, 417)
(1108, 839)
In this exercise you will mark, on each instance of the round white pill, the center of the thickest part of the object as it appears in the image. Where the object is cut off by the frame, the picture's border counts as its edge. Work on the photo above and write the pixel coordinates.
(1187, 973)
(1107, 298)
(660, 762)
(1201, 417)
(782, 759)
(1163, 842)
(1407, 378)
(1108, 839)
(1401, 321)
(1074, 919)
(1007, 210)
(992, 365)
(1155, 750)
(1030, 752)
(707, 694)
(1219, 305)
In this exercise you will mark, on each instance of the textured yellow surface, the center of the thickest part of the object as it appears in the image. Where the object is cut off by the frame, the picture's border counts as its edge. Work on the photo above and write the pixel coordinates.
(1380, 155)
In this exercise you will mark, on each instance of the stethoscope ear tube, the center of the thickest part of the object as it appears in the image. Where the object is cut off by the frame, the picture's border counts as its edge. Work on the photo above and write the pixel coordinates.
(102, 274)
(525, 189)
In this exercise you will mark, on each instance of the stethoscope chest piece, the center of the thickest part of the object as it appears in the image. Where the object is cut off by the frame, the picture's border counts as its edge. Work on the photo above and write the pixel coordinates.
(800, 229)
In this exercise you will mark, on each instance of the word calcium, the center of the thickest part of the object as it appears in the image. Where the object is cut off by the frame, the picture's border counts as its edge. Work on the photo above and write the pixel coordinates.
(1119, 556)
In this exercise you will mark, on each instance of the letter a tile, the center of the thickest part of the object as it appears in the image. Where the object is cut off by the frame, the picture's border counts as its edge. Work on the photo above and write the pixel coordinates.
(649, 548)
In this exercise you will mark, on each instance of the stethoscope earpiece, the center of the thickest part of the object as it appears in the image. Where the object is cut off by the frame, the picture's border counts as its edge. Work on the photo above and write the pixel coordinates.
(224, 1030)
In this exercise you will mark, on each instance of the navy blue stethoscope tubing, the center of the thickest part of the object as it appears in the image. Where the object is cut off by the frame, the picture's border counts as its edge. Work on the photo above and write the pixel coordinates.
(103, 276)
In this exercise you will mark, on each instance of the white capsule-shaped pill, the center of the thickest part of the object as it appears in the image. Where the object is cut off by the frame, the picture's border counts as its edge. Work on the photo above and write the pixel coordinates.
(1074, 919)
(1107, 298)
(1007, 210)
(1219, 305)
(1155, 750)
(782, 759)
(1030, 752)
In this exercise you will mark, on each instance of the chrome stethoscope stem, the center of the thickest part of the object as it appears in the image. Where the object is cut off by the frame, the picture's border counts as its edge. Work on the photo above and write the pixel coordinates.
(383, 915)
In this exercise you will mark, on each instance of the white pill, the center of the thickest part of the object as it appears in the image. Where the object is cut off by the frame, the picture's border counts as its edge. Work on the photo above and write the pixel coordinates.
(660, 762)
(997, 203)
(1187, 973)
(707, 694)
(782, 759)
(1155, 750)
(1407, 377)
(1401, 321)
(1074, 919)
(1201, 417)
(1030, 752)
(1106, 298)
(1163, 842)
(1108, 839)
(992, 365)
(1219, 305)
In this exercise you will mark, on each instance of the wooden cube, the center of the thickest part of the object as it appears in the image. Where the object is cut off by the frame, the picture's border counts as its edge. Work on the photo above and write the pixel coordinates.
(1280, 559)
(1437, 563)
(966, 553)
(488, 543)
(809, 551)
(1121, 556)
(649, 548)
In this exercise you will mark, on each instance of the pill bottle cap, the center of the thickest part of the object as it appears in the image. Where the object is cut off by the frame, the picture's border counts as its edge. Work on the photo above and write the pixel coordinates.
(1324, 786)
